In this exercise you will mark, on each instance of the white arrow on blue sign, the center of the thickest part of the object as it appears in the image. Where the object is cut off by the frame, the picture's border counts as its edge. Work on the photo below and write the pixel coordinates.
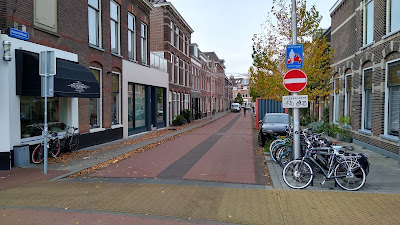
(294, 56)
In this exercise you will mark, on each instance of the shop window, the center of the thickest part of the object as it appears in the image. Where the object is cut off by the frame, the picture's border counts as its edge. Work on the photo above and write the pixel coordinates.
(32, 112)
(95, 103)
(115, 99)
(393, 100)
(140, 106)
(160, 105)
(367, 98)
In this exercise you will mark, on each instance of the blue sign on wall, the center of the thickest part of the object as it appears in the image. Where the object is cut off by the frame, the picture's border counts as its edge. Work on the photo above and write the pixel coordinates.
(19, 34)
(294, 56)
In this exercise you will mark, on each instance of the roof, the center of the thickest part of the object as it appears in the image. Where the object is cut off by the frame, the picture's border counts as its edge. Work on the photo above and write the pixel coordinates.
(161, 3)
(335, 6)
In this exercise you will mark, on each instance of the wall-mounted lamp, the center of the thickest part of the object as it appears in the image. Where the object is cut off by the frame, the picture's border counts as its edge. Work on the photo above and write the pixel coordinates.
(7, 50)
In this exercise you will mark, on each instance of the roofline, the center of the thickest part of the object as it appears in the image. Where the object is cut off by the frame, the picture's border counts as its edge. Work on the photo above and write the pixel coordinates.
(148, 4)
(176, 11)
(335, 6)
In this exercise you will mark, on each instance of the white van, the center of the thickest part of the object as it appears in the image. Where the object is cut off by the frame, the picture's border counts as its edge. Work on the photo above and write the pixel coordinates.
(235, 107)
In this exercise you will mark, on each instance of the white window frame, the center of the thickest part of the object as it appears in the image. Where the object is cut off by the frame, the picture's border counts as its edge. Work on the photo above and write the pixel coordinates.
(118, 31)
(172, 68)
(143, 41)
(179, 103)
(172, 33)
(177, 38)
(389, 28)
(175, 106)
(365, 35)
(98, 10)
(184, 44)
(99, 103)
(336, 106)
(184, 73)
(177, 70)
(363, 102)
(347, 111)
(119, 99)
(386, 119)
(132, 40)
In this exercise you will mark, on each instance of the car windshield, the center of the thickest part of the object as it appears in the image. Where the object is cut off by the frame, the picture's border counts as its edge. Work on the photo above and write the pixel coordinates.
(276, 119)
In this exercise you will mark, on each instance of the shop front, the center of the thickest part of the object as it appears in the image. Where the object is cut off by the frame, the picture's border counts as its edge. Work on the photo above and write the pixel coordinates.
(20, 93)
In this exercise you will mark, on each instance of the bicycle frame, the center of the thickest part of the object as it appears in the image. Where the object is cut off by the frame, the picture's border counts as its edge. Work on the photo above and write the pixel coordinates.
(332, 159)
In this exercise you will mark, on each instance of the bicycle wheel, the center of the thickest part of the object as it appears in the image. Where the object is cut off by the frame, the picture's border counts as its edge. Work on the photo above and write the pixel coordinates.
(274, 152)
(286, 157)
(74, 142)
(38, 154)
(351, 177)
(54, 147)
(297, 174)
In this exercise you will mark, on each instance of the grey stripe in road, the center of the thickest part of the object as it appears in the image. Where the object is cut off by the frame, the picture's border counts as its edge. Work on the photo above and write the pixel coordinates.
(180, 167)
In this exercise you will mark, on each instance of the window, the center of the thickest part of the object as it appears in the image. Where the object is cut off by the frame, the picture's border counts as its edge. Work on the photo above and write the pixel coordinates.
(144, 43)
(394, 16)
(348, 99)
(369, 21)
(367, 98)
(32, 111)
(94, 22)
(115, 99)
(336, 101)
(95, 103)
(184, 44)
(175, 105)
(179, 103)
(45, 15)
(187, 47)
(131, 37)
(160, 105)
(184, 73)
(114, 21)
(172, 33)
(172, 68)
(177, 38)
(393, 99)
(177, 70)
(140, 106)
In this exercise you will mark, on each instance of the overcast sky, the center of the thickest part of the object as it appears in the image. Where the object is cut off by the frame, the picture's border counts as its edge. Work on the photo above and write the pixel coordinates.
(227, 26)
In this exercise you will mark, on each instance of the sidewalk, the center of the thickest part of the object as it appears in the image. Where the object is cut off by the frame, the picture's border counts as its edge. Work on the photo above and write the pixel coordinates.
(111, 152)
(383, 177)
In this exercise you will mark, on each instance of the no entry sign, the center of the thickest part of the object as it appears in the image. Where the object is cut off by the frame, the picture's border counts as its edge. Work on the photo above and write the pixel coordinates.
(295, 80)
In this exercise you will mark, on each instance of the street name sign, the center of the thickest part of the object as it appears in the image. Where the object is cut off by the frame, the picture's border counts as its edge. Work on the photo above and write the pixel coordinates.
(294, 57)
(295, 80)
(295, 101)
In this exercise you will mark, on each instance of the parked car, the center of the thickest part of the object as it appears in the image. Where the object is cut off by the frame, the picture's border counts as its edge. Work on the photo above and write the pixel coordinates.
(235, 107)
(272, 125)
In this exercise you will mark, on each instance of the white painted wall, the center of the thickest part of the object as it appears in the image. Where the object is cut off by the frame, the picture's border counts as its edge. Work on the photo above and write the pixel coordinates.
(135, 73)
(10, 130)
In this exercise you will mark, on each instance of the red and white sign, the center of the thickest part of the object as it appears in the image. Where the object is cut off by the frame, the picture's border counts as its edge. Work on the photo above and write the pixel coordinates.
(295, 80)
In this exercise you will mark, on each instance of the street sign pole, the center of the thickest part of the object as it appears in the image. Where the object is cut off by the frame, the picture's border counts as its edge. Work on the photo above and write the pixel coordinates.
(47, 68)
(296, 111)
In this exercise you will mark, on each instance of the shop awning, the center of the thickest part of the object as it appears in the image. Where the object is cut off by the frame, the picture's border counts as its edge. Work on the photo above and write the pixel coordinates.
(71, 80)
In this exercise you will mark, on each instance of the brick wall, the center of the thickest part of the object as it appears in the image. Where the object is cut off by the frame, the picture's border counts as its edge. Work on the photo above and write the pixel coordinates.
(72, 36)
(347, 42)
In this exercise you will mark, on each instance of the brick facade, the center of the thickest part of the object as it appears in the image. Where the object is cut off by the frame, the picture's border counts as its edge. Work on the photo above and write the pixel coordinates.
(352, 57)
(72, 36)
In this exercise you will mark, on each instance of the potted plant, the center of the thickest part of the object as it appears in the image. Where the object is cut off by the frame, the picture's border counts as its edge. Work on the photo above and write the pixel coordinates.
(345, 129)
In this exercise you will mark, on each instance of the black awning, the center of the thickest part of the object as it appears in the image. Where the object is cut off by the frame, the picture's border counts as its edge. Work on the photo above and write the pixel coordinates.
(71, 80)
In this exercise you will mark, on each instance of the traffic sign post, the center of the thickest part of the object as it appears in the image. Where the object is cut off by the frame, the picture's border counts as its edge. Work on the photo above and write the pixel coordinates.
(47, 70)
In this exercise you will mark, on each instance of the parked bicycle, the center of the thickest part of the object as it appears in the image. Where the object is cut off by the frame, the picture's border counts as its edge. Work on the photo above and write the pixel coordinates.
(344, 168)
(53, 146)
(71, 139)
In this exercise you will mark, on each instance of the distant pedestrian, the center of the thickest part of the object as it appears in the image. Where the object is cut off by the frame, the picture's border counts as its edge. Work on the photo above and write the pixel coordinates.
(253, 109)
(244, 110)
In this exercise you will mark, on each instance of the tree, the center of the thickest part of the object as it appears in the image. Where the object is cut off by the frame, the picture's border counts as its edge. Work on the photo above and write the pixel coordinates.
(269, 53)
(239, 99)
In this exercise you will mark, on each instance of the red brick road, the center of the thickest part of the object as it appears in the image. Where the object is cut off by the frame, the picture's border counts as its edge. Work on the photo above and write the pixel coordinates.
(230, 159)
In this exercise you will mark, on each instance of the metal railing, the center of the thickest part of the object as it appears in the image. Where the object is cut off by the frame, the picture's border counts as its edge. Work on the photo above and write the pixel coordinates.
(158, 62)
